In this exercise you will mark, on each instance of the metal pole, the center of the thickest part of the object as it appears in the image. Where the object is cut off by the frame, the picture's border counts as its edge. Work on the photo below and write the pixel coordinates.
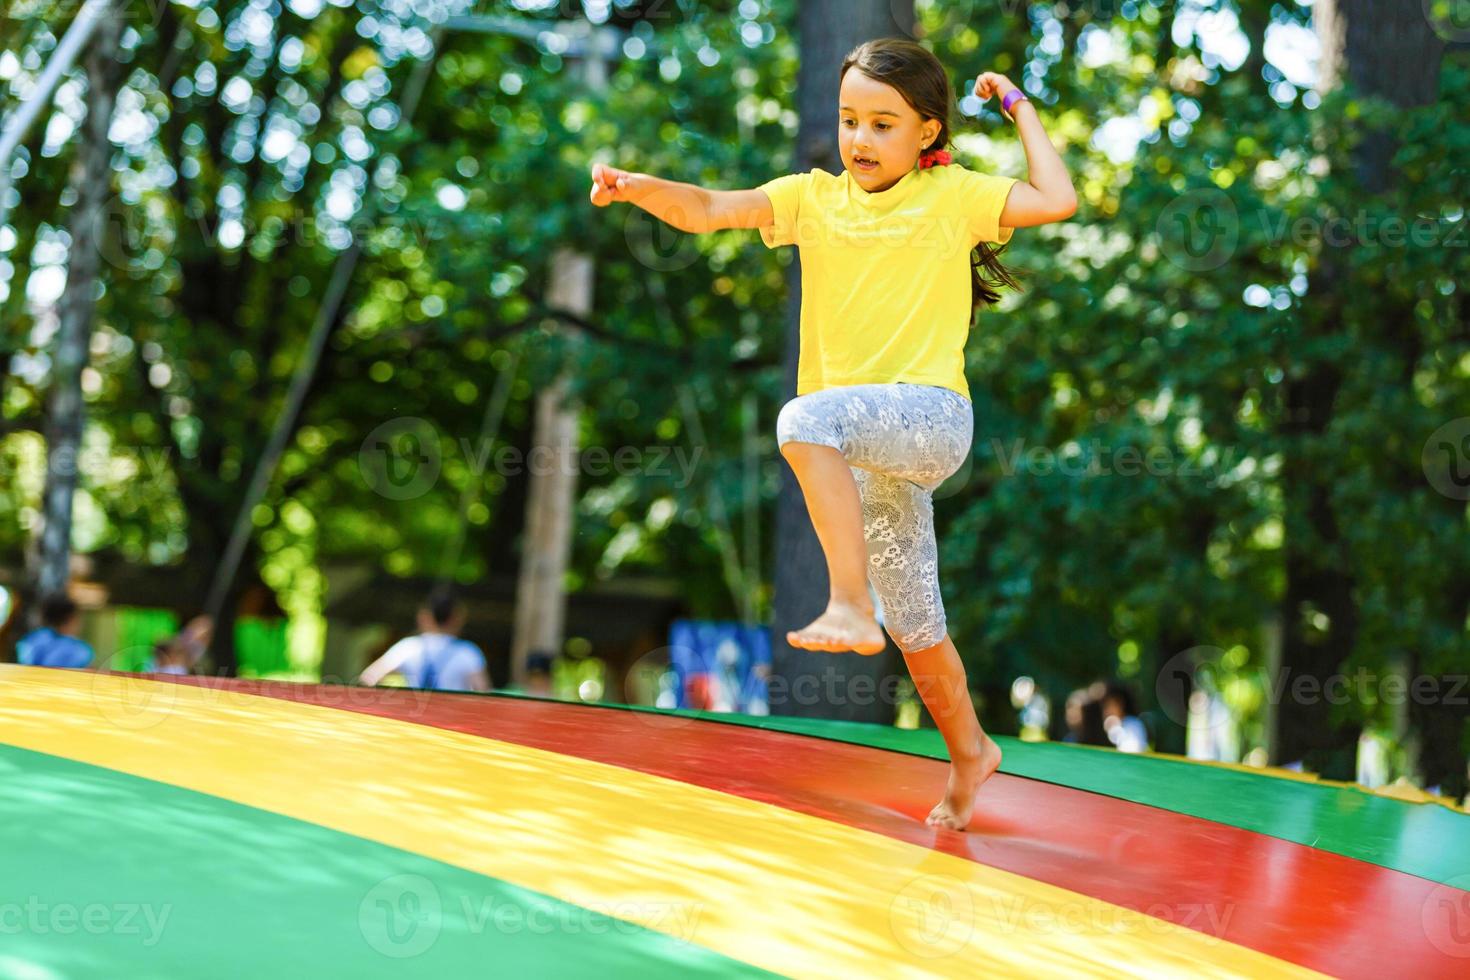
(489, 431)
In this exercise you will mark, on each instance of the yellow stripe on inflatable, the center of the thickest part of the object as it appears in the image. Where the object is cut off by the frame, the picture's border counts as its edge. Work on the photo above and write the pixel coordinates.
(779, 889)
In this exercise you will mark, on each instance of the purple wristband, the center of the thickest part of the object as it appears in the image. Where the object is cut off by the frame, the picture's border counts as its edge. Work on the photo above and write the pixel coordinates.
(1012, 97)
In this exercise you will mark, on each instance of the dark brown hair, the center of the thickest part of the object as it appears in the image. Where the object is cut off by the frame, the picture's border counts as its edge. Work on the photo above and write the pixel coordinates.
(56, 609)
(919, 77)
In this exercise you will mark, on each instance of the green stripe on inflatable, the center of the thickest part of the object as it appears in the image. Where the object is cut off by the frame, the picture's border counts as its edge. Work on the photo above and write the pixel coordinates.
(107, 875)
(1423, 839)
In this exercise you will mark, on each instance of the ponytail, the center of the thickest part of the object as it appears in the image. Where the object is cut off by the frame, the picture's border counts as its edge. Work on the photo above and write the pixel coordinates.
(983, 292)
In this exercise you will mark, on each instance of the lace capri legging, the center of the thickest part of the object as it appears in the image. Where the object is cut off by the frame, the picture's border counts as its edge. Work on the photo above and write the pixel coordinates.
(901, 441)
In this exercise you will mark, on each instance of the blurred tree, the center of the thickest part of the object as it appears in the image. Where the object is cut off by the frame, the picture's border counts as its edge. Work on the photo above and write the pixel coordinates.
(827, 30)
(1386, 52)
(64, 412)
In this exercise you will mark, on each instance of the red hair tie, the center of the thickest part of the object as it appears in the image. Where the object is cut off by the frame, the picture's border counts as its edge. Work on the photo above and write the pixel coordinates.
(929, 158)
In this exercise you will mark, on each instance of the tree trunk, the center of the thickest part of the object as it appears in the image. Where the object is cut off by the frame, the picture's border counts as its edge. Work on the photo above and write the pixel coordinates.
(541, 601)
(1386, 49)
(820, 684)
(65, 410)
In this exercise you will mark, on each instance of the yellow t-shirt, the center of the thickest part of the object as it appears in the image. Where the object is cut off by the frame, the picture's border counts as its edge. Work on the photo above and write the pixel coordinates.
(885, 277)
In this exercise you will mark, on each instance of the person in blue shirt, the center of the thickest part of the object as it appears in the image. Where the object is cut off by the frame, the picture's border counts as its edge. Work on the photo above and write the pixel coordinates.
(55, 643)
(435, 658)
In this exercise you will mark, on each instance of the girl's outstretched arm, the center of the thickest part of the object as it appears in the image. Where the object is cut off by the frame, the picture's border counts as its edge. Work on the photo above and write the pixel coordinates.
(1047, 194)
(685, 206)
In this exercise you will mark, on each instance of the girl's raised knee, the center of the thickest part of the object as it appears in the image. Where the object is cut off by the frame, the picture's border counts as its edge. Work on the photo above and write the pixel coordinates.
(786, 424)
(919, 639)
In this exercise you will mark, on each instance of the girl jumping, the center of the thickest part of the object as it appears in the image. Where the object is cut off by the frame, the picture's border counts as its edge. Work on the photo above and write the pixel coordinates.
(882, 413)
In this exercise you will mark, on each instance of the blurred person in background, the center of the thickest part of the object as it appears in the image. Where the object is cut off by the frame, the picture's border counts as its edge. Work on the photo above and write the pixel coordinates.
(435, 658)
(1084, 715)
(1094, 730)
(180, 653)
(54, 643)
(538, 674)
(1120, 719)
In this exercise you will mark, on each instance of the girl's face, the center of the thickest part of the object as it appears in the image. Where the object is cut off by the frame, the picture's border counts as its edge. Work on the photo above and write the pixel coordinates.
(880, 134)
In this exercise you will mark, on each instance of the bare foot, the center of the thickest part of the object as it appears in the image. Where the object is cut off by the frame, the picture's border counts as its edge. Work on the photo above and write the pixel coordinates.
(841, 627)
(965, 778)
